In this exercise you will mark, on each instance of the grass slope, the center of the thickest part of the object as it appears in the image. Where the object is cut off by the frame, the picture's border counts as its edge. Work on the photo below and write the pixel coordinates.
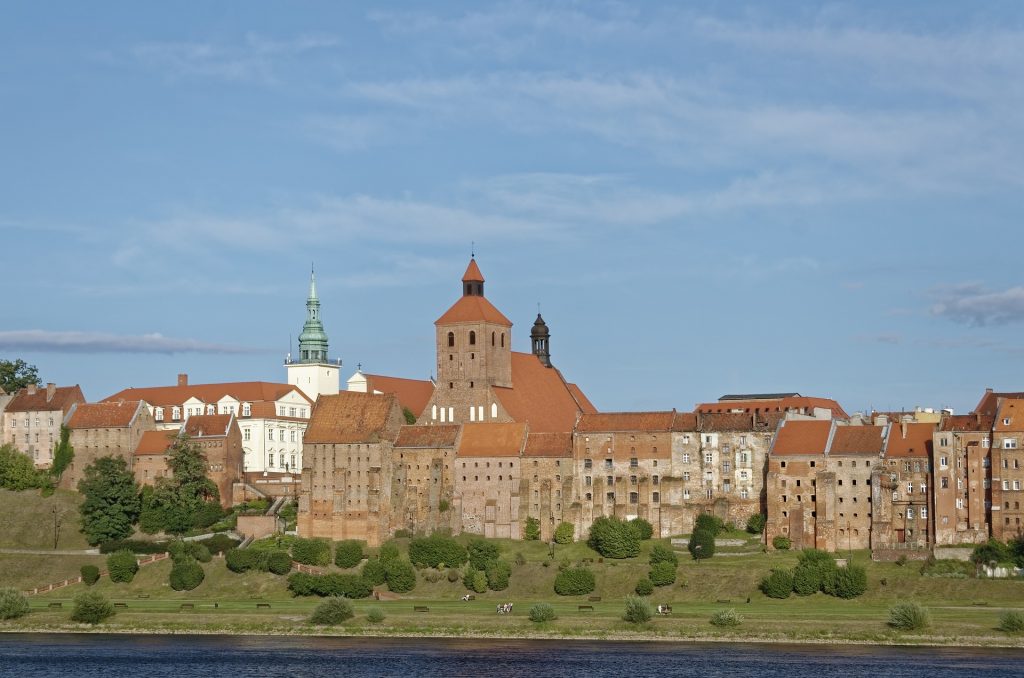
(28, 520)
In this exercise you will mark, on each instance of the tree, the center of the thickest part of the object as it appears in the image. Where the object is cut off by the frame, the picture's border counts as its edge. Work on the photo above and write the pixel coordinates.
(702, 544)
(17, 472)
(643, 528)
(564, 533)
(177, 501)
(111, 503)
(481, 553)
(410, 418)
(63, 453)
(756, 523)
(91, 607)
(17, 374)
(531, 532)
(614, 538)
(13, 604)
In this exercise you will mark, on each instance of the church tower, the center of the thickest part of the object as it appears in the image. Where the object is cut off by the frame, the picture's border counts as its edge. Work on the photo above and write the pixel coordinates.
(313, 373)
(539, 338)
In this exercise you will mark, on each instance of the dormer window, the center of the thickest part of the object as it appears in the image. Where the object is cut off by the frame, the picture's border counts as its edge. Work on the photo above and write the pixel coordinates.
(246, 410)
(211, 409)
(159, 414)
(1006, 421)
(176, 414)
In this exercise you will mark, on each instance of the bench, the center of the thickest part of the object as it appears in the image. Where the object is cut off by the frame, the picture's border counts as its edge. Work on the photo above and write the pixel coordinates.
(52, 605)
(586, 608)
(142, 595)
(724, 600)
(188, 606)
(265, 606)
(594, 599)
(980, 603)
(120, 604)
(420, 608)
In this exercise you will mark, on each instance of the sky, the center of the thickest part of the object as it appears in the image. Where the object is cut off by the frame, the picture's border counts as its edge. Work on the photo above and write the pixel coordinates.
(704, 198)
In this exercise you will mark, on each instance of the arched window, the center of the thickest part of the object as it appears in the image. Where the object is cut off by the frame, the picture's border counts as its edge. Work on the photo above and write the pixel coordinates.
(494, 410)
(492, 338)
(451, 338)
(503, 340)
(472, 338)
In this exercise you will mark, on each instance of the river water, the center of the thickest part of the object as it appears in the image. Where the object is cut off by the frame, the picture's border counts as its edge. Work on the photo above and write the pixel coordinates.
(30, 655)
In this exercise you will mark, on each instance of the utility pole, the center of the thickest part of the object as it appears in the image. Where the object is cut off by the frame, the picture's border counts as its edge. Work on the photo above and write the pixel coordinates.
(56, 527)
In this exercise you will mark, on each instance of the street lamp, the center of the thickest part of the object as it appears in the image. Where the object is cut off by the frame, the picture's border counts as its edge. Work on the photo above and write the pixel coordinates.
(56, 526)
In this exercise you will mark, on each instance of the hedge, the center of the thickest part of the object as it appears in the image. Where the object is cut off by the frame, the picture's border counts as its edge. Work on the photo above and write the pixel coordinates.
(614, 538)
(400, 576)
(258, 560)
(133, 545)
(437, 549)
(122, 566)
(574, 581)
(186, 575)
(348, 553)
(312, 551)
(374, 572)
(328, 585)
(481, 553)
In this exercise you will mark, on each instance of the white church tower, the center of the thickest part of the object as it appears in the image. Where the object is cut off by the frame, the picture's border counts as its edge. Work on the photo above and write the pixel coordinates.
(313, 373)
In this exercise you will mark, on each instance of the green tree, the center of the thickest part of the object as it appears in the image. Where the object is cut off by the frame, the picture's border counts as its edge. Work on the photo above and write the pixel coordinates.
(17, 374)
(13, 603)
(702, 544)
(91, 607)
(756, 523)
(991, 551)
(564, 533)
(614, 538)
(111, 503)
(643, 528)
(481, 553)
(531, 531)
(662, 574)
(17, 472)
(778, 584)
(348, 553)
(177, 500)
(410, 418)
(63, 453)
(663, 554)
(498, 573)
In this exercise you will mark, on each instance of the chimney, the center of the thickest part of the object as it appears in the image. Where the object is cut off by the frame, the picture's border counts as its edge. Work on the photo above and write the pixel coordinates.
(31, 389)
(903, 429)
(183, 379)
(51, 390)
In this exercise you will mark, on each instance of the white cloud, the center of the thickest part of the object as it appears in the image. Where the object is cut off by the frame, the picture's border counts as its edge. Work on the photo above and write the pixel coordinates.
(99, 342)
(973, 304)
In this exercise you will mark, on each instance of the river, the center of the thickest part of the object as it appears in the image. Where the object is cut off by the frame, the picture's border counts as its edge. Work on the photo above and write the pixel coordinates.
(151, 656)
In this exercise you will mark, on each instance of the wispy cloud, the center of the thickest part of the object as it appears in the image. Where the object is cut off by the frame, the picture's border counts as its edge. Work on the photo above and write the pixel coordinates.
(975, 305)
(889, 338)
(98, 342)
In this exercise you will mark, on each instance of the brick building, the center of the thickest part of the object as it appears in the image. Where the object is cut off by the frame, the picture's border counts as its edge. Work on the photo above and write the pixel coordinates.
(219, 439)
(902, 500)
(33, 417)
(97, 430)
(488, 465)
(961, 487)
(1008, 469)
(150, 456)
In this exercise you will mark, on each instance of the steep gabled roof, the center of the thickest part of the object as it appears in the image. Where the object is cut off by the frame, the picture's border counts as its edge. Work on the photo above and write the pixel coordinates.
(548, 445)
(471, 309)
(540, 396)
(802, 437)
(208, 425)
(350, 417)
(412, 393)
(989, 402)
(867, 440)
(626, 421)
(492, 440)
(38, 399)
(155, 442)
(581, 398)
(242, 391)
(443, 435)
(118, 414)
(969, 423)
(910, 440)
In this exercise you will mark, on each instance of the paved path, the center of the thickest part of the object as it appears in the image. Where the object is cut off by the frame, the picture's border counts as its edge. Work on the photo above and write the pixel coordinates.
(50, 552)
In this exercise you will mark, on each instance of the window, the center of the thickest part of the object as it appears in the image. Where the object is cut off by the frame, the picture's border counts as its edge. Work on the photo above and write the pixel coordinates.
(654, 480)
(610, 496)
(1016, 484)
(910, 513)
(588, 463)
(270, 460)
(211, 409)
(293, 434)
(246, 434)
(610, 480)
(727, 486)
(656, 497)
(607, 463)
(945, 483)
(726, 467)
(246, 410)
(943, 462)
(451, 339)
(176, 414)
(159, 416)
(924, 488)
(494, 410)
(632, 480)
(959, 503)
(1006, 484)
(472, 338)
(924, 512)
(633, 462)
(709, 458)
(1009, 443)
(270, 434)
(686, 476)
(744, 493)
(587, 481)
(634, 498)
(492, 338)
(686, 458)
(686, 495)
(910, 488)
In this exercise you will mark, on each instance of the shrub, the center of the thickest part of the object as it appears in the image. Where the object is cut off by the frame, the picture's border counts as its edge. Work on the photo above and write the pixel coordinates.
(90, 574)
(644, 587)
(778, 584)
(302, 584)
(400, 576)
(702, 544)
(207, 514)
(189, 550)
(542, 612)
(726, 618)
(312, 551)
(498, 573)
(662, 574)
(279, 562)
(709, 523)
(613, 538)
(663, 554)
(638, 610)
(531, 530)
(475, 580)
(481, 553)
(781, 542)
(186, 574)
(575, 581)
(374, 572)
(432, 576)
(909, 617)
(388, 552)
(243, 560)
(644, 529)
(348, 553)
(1011, 621)
(220, 543)
(135, 546)
(849, 582)
(756, 523)
(564, 533)
(122, 566)
(437, 549)
(13, 603)
(91, 607)
(806, 580)
(332, 611)
(991, 551)
(328, 585)
(815, 571)
(453, 575)
(375, 615)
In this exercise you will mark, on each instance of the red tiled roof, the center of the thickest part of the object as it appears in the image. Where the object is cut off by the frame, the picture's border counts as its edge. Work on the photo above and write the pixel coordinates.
(242, 391)
(969, 422)
(104, 415)
(63, 398)
(741, 421)
(539, 396)
(917, 442)
(581, 398)
(443, 435)
(1011, 409)
(492, 440)
(412, 393)
(548, 445)
(471, 309)
(472, 273)
(989, 402)
(268, 410)
(685, 421)
(626, 421)
(208, 425)
(775, 405)
(350, 417)
(857, 440)
(155, 442)
(802, 437)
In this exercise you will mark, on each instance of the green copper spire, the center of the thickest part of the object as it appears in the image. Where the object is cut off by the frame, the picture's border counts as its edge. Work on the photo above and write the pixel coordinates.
(313, 340)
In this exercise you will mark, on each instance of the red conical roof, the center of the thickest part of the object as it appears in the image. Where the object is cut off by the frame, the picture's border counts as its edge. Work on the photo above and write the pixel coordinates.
(472, 273)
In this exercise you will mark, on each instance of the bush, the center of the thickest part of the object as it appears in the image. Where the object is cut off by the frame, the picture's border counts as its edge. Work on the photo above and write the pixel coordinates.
(133, 545)
(781, 542)
(662, 574)
(207, 514)
(453, 576)
(279, 562)
(644, 529)
(709, 523)
(332, 611)
(302, 584)
(756, 523)
(475, 580)
(991, 551)
(498, 573)
(90, 574)
(638, 610)
(122, 566)
(312, 551)
(388, 552)
(375, 615)
(806, 580)
(909, 617)
(849, 582)
(613, 538)
(815, 571)
(564, 533)
(575, 581)
(186, 575)
(189, 550)
(531, 530)
(328, 585)
(1011, 621)
(663, 554)
(220, 543)
(243, 560)
(374, 572)
(13, 603)
(431, 575)
(400, 576)
(91, 607)
(702, 543)
(778, 584)
(644, 587)
(542, 612)
(726, 618)
(348, 553)
(481, 553)
(437, 549)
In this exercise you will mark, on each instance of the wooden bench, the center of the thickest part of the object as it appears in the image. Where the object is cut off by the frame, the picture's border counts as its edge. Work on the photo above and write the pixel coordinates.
(265, 606)
(586, 608)
(594, 599)
(142, 595)
(120, 604)
(188, 606)
(980, 603)
(724, 600)
(53, 605)
(420, 608)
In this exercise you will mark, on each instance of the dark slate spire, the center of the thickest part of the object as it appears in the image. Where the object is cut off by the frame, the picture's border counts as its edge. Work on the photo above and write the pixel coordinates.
(540, 338)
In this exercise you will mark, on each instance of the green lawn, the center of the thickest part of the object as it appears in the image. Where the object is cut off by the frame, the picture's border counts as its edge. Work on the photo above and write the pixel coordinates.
(28, 520)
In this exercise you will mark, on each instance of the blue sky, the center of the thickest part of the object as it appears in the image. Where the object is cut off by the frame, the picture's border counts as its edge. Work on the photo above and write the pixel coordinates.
(704, 198)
